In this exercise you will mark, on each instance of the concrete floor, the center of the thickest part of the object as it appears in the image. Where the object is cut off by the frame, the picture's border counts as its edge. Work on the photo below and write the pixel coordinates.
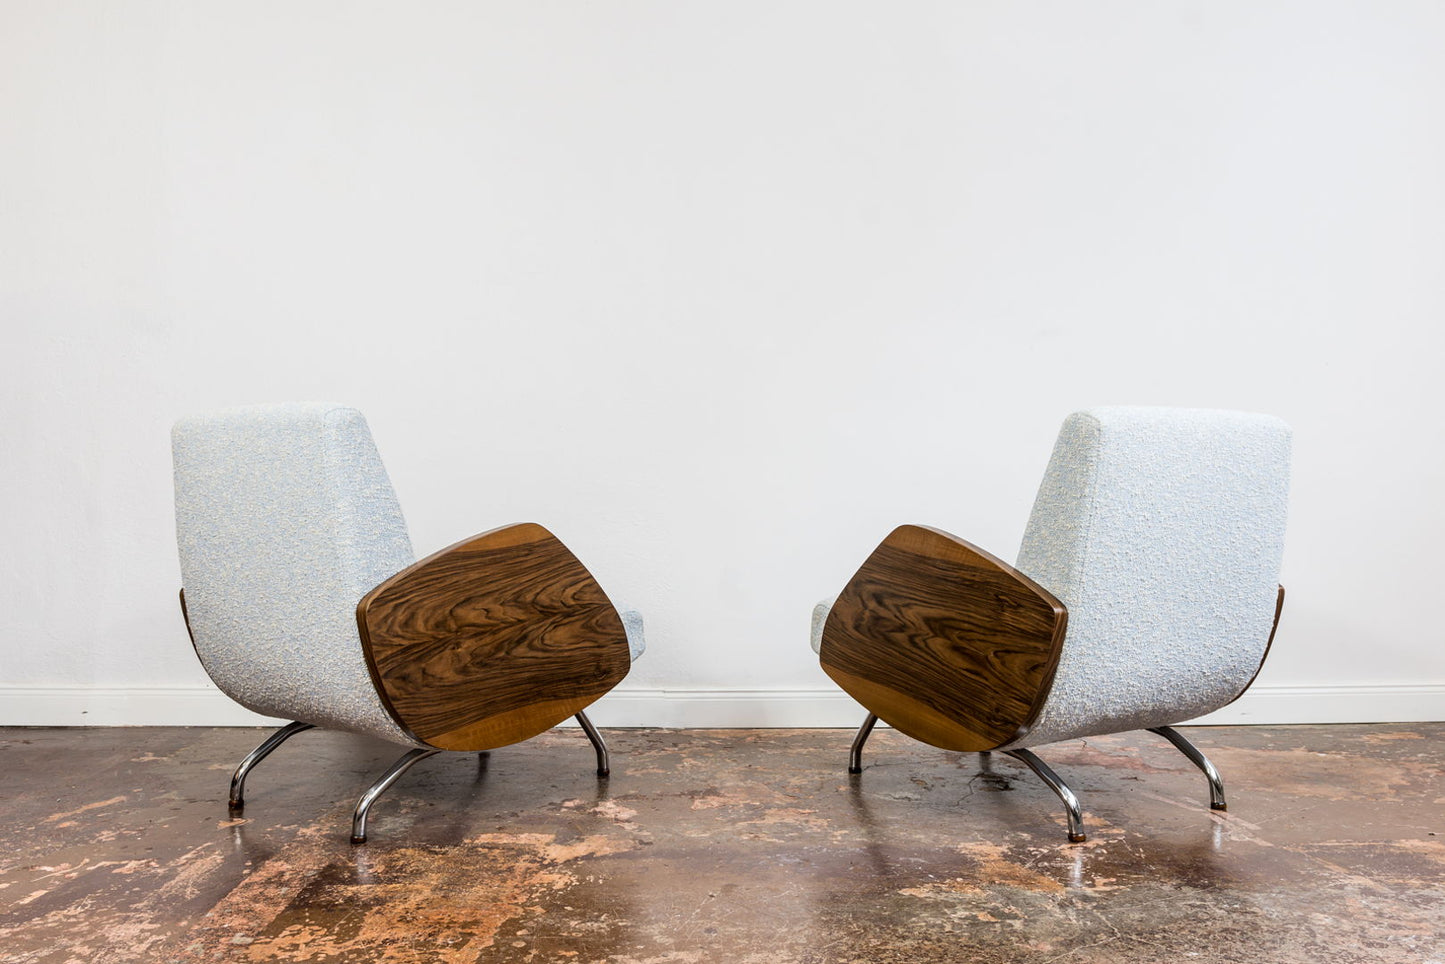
(735, 846)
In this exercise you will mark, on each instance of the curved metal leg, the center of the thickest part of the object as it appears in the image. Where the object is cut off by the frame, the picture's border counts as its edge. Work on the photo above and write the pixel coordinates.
(1071, 802)
(855, 755)
(238, 779)
(1216, 782)
(604, 767)
(363, 806)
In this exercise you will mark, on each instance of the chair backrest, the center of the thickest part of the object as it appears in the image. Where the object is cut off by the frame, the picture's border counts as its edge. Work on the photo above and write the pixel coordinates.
(1162, 532)
(285, 518)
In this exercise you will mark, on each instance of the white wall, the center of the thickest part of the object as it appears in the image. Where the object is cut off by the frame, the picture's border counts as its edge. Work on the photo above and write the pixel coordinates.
(720, 292)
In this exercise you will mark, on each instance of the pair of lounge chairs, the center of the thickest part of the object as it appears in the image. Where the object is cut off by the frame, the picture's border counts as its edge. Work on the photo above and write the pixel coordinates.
(1146, 593)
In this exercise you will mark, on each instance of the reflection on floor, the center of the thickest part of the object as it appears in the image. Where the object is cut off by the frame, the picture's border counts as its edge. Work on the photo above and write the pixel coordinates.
(733, 846)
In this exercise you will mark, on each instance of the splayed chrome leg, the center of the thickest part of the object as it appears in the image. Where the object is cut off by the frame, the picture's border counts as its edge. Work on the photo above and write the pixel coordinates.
(1216, 782)
(238, 779)
(604, 767)
(363, 806)
(855, 755)
(1071, 802)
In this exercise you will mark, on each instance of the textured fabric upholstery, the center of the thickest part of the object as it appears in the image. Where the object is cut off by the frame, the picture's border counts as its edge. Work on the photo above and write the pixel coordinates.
(632, 624)
(285, 518)
(820, 616)
(1162, 531)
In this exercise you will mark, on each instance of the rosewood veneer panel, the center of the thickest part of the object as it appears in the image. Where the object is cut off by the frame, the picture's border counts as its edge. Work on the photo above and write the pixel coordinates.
(943, 641)
(493, 640)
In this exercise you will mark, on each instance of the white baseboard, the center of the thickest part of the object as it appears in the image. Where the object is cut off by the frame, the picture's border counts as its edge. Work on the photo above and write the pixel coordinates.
(701, 708)
(123, 706)
(1360, 703)
(1334, 703)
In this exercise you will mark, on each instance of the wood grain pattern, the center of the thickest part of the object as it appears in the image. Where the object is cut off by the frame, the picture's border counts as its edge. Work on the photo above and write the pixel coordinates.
(492, 641)
(944, 641)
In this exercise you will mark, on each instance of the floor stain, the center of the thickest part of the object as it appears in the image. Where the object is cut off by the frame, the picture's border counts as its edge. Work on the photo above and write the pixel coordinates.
(737, 846)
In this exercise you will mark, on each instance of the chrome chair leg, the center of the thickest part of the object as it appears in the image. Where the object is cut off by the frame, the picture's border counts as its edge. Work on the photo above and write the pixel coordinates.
(1071, 802)
(363, 806)
(604, 767)
(855, 755)
(1216, 782)
(238, 779)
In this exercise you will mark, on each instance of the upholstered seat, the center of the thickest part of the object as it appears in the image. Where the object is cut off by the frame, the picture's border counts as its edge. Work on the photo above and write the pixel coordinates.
(1146, 593)
(304, 600)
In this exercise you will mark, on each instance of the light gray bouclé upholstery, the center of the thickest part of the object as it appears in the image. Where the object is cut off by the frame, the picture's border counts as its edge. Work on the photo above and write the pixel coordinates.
(632, 624)
(285, 518)
(1162, 531)
(820, 616)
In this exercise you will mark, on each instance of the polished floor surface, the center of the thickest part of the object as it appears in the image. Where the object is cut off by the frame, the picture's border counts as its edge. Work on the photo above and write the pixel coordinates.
(735, 846)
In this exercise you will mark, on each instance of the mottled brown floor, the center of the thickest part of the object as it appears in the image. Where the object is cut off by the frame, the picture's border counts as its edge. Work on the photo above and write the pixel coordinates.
(734, 846)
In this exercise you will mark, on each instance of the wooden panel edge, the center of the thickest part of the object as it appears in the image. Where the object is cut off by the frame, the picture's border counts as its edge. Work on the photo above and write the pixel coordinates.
(511, 534)
(371, 670)
(1278, 609)
(541, 716)
(186, 615)
(364, 604)
(1056, 642)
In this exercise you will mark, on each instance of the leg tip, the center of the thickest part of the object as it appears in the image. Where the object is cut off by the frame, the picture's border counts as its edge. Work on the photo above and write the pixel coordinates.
(855, 769)
(1078, 837)
(1219, 806)
(358, 840)
(604, 773)
(236, 806)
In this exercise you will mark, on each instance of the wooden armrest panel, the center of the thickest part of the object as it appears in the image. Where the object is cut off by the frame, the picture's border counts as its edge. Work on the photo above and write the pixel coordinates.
(943, 641)
(491, 641)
